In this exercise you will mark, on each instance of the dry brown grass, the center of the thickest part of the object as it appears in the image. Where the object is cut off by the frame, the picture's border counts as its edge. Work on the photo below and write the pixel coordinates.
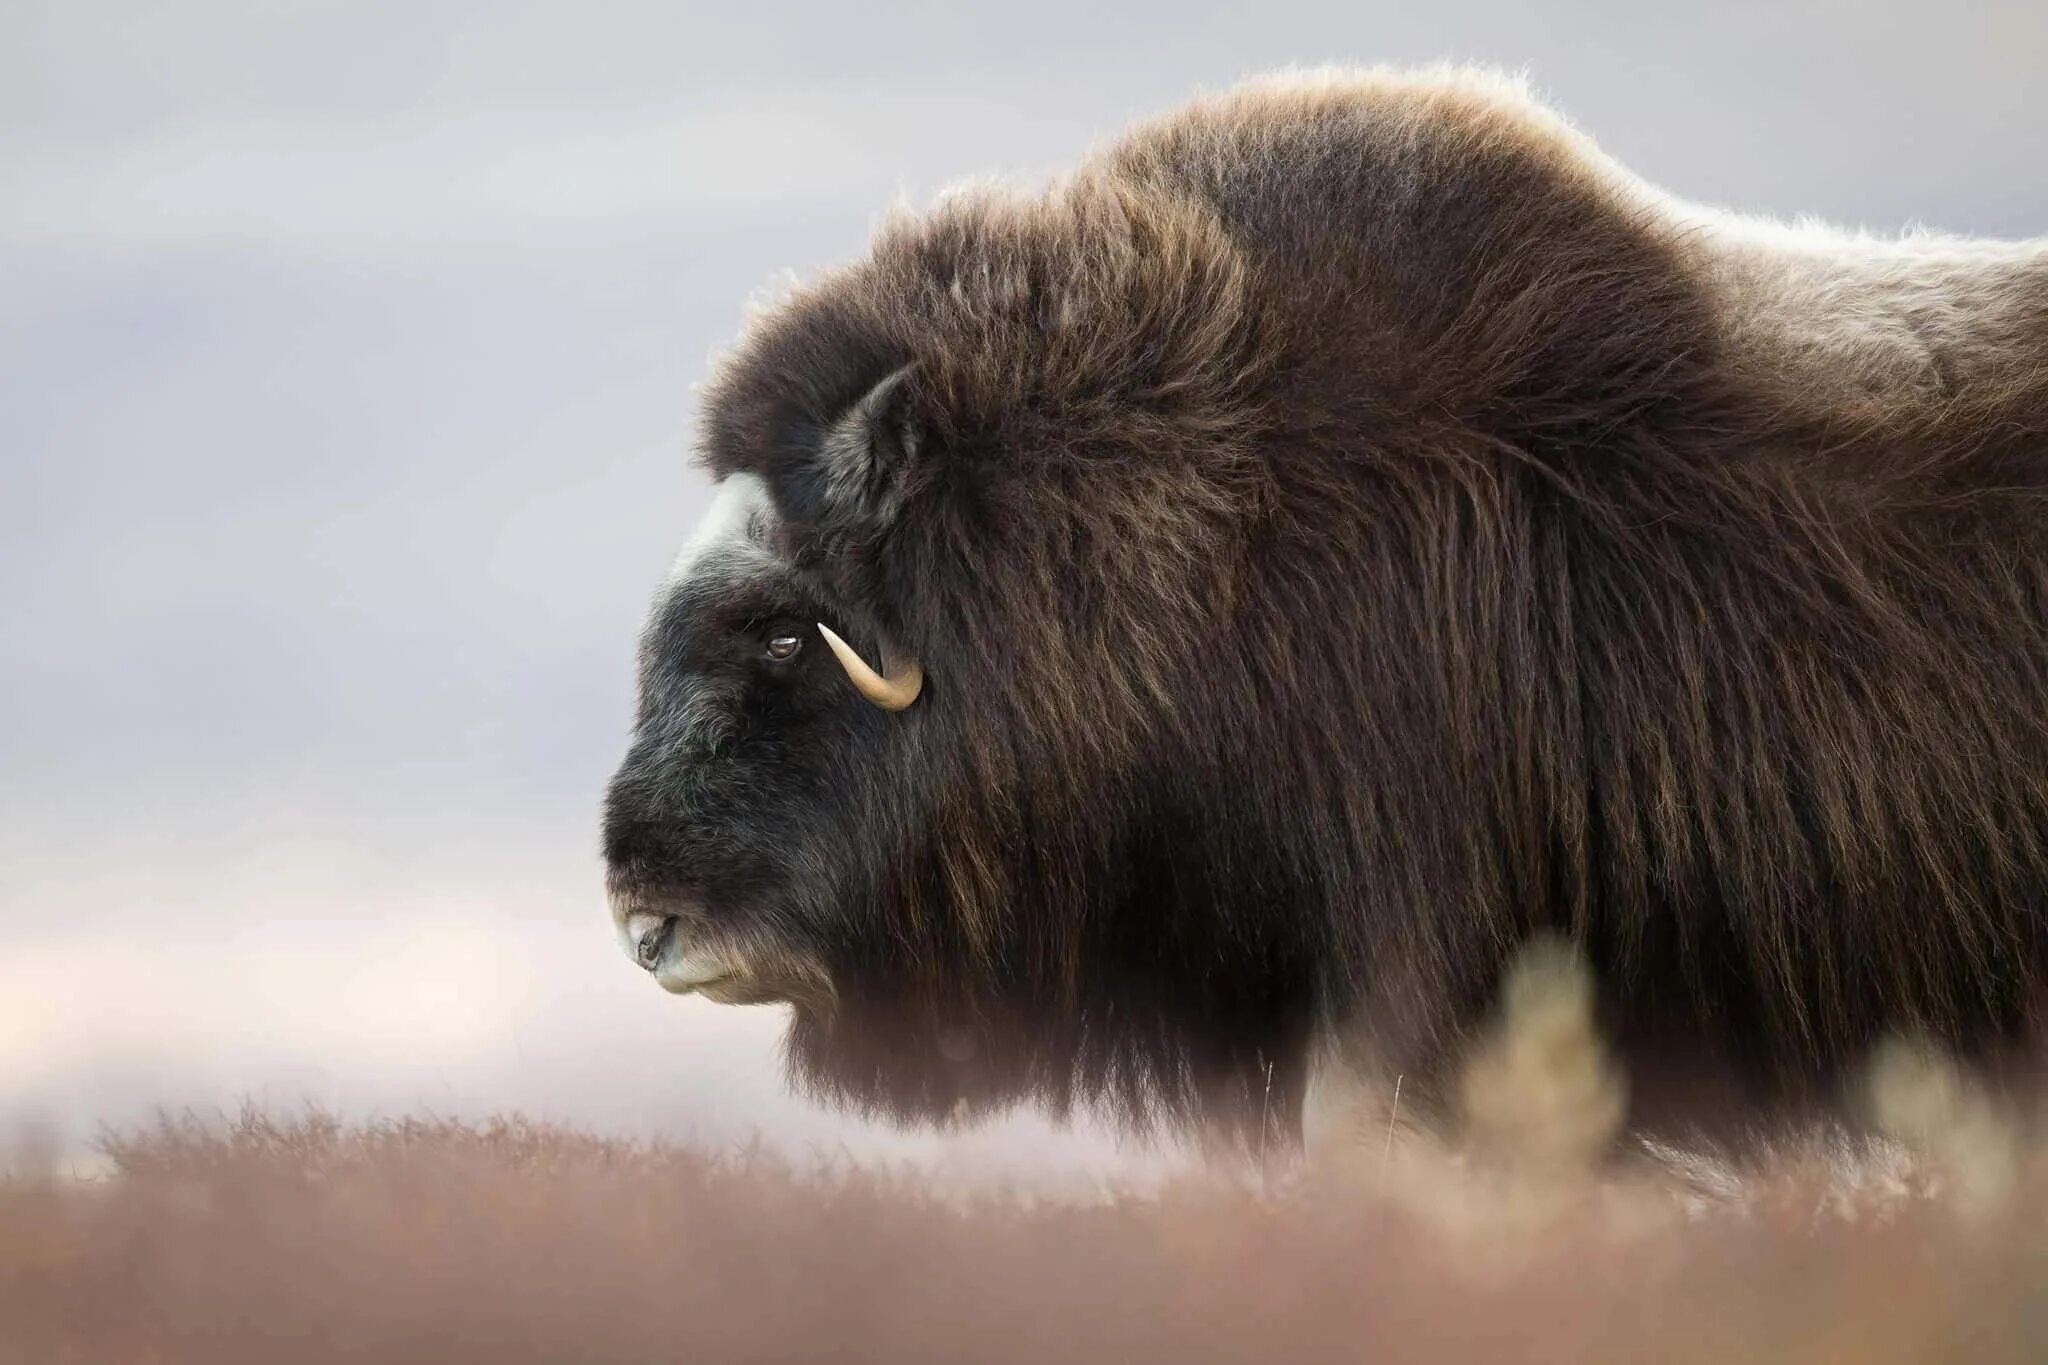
(431, 1241)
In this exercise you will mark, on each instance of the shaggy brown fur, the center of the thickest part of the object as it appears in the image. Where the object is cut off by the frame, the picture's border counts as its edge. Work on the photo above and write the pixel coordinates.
(1349, 528)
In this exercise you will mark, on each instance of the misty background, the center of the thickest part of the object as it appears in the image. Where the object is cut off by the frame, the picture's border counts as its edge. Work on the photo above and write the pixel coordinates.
(346, 354)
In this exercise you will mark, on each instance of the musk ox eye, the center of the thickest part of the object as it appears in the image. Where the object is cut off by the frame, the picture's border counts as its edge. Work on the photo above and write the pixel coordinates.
(783, 647)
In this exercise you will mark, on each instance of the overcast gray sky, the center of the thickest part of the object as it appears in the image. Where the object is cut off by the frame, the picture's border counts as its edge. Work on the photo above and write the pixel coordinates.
(347, 352)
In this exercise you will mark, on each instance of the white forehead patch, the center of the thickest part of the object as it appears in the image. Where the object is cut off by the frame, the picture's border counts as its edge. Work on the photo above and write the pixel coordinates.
(738, 520)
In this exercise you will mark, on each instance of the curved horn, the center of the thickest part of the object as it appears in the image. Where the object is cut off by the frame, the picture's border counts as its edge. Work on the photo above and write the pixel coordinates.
(892, 692)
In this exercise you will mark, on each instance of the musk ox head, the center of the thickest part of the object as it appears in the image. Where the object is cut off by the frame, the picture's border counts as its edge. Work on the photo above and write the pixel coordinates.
(1005, 462)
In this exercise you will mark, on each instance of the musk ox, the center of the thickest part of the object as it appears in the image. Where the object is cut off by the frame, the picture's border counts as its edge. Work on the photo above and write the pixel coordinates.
(1172, 634)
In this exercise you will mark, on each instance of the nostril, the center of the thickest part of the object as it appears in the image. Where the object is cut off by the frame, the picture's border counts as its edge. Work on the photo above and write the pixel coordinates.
(654, 943)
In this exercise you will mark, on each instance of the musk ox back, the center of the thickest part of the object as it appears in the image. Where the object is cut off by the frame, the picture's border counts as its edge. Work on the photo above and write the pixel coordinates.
(1202, 619)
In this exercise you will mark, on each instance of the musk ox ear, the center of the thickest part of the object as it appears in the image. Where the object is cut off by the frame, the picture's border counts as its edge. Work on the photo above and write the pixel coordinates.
(864, 454)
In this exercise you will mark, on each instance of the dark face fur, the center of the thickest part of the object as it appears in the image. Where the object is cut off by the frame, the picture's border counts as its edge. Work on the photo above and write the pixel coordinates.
(720, 817)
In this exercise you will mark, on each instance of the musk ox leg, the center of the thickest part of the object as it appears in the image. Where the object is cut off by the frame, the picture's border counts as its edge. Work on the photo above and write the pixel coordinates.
(1534, 1088)
(1359, 1115)
(1541, 1092)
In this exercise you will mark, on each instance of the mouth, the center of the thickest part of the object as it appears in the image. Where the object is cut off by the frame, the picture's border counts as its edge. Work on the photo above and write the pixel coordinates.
(655, 942)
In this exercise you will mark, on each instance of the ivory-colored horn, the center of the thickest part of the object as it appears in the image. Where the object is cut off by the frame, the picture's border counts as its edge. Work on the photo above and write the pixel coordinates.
(892, 692)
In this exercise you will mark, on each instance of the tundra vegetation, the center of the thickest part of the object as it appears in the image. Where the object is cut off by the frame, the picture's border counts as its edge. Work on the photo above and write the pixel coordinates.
(307, 1239)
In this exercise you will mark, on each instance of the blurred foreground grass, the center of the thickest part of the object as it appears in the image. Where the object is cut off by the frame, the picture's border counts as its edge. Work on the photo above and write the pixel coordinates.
(308, 1240)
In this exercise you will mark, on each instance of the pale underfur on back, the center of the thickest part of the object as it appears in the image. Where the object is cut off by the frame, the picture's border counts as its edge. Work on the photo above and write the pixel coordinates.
(1830, 320)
